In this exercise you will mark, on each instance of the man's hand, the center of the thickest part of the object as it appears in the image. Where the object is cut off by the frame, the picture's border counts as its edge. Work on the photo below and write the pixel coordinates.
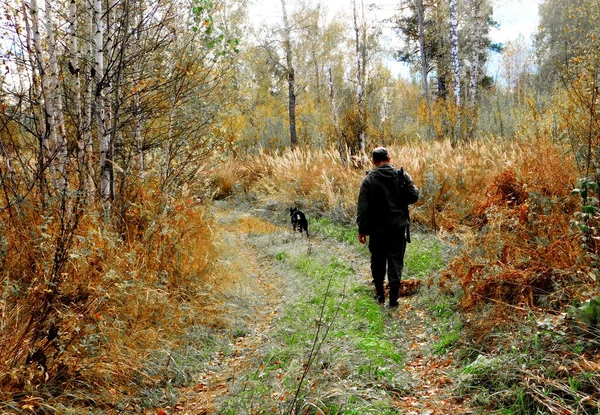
(362, 238)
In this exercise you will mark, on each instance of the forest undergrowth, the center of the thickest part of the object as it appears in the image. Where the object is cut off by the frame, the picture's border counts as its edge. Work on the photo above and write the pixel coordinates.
(525, 272)
(315, 341)
(132, 317)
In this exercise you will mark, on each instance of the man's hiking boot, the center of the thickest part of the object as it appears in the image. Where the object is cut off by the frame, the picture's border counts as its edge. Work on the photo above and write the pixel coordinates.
(380, 298)
(394, 296)
(379, 292)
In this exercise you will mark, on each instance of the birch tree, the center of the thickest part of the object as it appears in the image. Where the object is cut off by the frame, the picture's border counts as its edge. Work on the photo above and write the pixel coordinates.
(481, 12)
(75, 71)
(454, 51)
(360, 55)
(101, 121)
(46, 114)
(58, 133)
(475, 6)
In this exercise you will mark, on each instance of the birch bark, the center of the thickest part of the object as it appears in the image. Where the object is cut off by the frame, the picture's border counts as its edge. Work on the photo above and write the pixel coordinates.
(36, 88)
(476, 35)
(475, 66)
(58, 134)
(88, 107)
(103, 133)
(47, 118)
(74, 69)
(454, 51)
(360, 78)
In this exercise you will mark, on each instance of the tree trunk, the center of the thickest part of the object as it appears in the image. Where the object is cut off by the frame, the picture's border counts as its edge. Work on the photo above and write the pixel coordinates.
(342, 147)
(454, 51)
(475, 63)
(89, 109)
(360, 78)
(424, 63)
(287, 44)
(103, 133)
(75, 70)
(58, 134)
(47, 118)
(36, 92)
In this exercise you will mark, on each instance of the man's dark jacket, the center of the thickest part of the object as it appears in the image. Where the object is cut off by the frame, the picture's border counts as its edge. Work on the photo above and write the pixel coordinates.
(385, 194)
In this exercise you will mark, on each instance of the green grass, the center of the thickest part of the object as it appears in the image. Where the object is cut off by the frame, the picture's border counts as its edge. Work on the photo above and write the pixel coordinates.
(340, 232)
(329, 324)
(332, 336)
(424, 256)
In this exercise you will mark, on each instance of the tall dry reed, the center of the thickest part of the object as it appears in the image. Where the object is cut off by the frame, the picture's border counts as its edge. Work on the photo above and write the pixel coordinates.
(509, 202)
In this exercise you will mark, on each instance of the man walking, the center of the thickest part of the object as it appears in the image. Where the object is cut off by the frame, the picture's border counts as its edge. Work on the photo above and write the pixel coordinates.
(382, 214)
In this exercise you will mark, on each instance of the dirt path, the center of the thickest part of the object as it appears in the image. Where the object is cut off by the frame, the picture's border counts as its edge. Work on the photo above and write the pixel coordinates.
(431, 389)
(256, 281)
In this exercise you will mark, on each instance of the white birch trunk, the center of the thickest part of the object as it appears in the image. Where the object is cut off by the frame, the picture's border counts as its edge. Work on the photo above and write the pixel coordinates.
(58, 135)
(47, 119)
(109, 116)
(36, 93)
(103, 135)
(454, 51)
(74, 69)
(474, 78)
(88, 105)
(362, 136)
(475, 66)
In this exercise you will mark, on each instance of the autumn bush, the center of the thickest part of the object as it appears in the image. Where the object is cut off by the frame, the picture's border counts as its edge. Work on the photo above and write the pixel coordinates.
(84, 306)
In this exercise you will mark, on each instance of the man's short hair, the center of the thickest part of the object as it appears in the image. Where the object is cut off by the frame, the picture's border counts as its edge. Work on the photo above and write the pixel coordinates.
(380, 154)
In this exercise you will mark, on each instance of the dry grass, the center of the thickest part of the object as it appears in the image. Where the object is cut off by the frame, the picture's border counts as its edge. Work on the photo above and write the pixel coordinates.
(253, 225)
(85, 306)
(508, 201)
(84, 333)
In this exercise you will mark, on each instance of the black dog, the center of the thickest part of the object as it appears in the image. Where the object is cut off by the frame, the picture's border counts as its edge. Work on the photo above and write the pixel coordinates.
(299, 222)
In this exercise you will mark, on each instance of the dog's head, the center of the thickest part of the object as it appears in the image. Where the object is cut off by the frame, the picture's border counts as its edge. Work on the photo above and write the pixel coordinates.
(293, 210)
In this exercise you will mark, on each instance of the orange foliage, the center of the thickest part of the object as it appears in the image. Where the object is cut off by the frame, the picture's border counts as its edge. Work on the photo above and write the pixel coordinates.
(84, 306)
(523, 252)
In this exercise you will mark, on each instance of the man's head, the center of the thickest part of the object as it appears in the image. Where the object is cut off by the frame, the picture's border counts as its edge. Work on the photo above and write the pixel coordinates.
(381, 155)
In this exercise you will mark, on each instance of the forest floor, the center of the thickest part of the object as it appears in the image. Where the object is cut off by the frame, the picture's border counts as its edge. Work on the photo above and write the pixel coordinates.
(264, 286)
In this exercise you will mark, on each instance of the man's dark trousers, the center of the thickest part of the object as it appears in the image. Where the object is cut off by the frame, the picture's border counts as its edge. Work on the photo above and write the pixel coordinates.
(387, 251)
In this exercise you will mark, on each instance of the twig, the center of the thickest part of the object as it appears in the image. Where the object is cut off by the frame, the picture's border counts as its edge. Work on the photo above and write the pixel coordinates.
(316, 346)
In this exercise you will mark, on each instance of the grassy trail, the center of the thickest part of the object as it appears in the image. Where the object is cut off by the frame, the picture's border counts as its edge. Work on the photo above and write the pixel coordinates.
(306, 336)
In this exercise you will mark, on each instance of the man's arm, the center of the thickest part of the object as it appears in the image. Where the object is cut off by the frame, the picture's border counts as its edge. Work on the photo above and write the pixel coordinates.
(362, 209)
(410, 192)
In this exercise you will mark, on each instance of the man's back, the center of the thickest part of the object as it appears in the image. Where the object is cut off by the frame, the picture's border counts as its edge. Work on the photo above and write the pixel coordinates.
(382, 201)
